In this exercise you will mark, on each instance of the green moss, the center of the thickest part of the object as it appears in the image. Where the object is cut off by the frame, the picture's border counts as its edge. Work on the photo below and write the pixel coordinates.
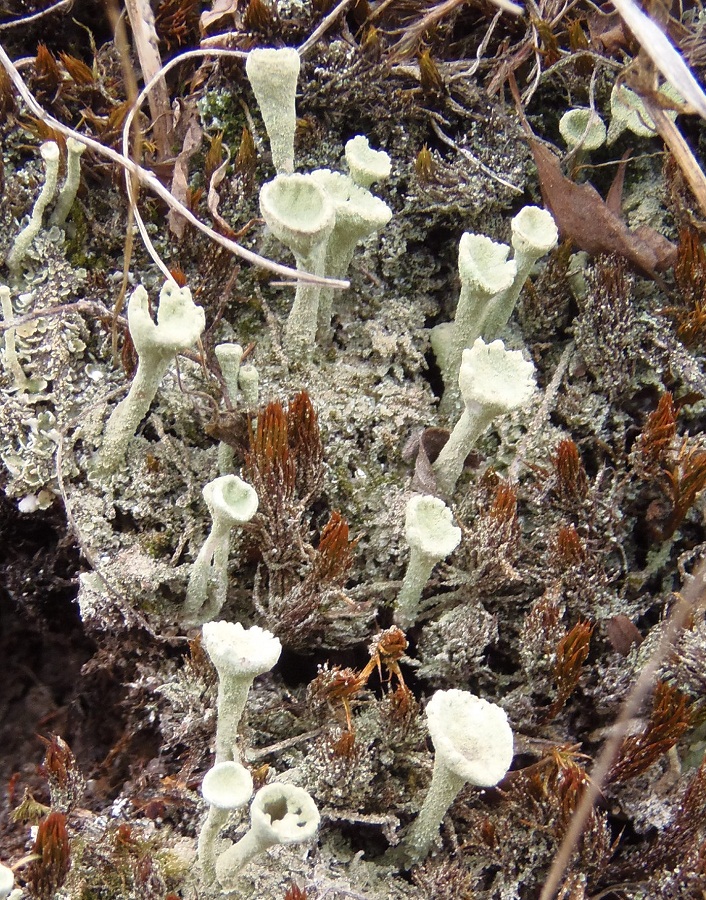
(220, 111)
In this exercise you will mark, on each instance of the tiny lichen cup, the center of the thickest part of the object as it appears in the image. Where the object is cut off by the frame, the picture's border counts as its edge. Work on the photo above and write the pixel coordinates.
(485, 272)
(273, 76)
(300, 213)
(365, 164)
(226, 787)
(357, 214)
(534, 234)
(473, 744)
(431, 536)
(231, 501)
(239, 655)
(179, 325)
(493, 381)
(628, 111)
(17, 253)
(279, 814)
(582, 128)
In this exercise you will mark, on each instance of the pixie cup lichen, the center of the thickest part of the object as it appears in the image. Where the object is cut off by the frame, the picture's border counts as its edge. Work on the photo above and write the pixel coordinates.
(485, 272)
(628, 112)
(301, 214)
(273, 75)
(431, 536)
(239, 655)
(279, 814)
(493, 381)
(365, 164)
(357, 214)
(226, 787)
(231, 501)
(179, 325)
(582, 128)
(534, 234)
(473, 744)
(69, 189)
(15, 258)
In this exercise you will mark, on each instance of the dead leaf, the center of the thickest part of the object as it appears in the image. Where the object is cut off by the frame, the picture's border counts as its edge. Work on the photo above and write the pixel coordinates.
(214, 199)
(622, 634)
(607, 32)
(220, 10)
(180, 177)
(424, 447)
(584, 217)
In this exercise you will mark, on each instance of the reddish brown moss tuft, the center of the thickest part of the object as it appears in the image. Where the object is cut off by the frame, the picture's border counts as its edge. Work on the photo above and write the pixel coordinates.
(570, 655)
(47, 873)
(671, 716)
(571, 479)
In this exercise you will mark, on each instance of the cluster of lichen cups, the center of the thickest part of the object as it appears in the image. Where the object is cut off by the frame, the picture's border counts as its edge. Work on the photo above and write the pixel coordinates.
(279, 813)
(321, 217)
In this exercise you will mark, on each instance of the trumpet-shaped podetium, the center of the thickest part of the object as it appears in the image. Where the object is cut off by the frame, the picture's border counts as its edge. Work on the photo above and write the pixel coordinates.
(493, 381)
(273, 75)
(249, 384)
(279, 814)
(628, 112)
(227, 786)
(179, 325)
(231, 501)
(239, 655)
(490, 286)
(534, 233)
(357, 214)
(473, 744)
(229, 357)
(485, 272)
(365, 164)
(15, 258)
(431, 536)
(301, 214)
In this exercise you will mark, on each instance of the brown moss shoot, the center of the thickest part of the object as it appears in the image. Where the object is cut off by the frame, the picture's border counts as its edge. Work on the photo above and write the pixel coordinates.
(48, 871)
(671, 716)
(571, 478)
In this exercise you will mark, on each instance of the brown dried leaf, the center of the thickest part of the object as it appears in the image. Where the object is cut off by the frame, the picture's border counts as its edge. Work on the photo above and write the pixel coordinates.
(583, 216)
(220, 10)
(180, 178)
(424, 447)
(622, 634)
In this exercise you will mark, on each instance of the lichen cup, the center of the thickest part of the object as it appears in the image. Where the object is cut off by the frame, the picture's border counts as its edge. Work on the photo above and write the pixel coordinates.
(474, 745)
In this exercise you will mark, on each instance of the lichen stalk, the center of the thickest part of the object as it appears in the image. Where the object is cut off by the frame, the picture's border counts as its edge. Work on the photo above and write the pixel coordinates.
(449, 464)
(208, 836)
(18, 251)
(443, 789)
(208, 584)
(407, 605)
(128, 414)
(232, 697)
